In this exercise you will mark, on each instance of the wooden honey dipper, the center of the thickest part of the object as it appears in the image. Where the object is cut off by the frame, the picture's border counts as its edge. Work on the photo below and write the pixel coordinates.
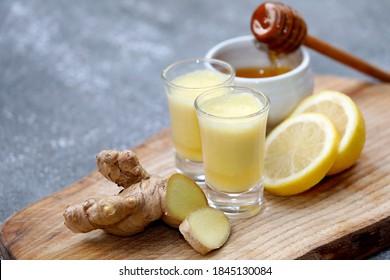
(283, 30)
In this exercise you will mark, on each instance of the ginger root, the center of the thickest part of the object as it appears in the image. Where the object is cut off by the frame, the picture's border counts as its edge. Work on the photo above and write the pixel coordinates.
(144, 199)
(124, 214)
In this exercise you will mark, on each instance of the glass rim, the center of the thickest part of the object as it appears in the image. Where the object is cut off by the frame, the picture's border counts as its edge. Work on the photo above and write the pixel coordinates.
(197, 60)
(257, 93)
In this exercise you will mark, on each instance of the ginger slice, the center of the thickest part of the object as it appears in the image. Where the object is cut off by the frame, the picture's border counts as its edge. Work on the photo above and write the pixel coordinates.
(205, 229)
(182, 196)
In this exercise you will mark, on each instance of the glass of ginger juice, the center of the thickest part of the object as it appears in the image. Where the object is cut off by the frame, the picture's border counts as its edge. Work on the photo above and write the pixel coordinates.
(232, 123)
(184, 81)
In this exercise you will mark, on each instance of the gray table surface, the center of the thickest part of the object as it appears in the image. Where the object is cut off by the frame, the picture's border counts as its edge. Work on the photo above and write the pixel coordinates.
(77, 77)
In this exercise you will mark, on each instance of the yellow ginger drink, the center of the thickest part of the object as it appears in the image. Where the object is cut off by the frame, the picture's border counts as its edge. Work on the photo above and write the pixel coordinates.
(184, 82)
(185, 128)
(232, 124)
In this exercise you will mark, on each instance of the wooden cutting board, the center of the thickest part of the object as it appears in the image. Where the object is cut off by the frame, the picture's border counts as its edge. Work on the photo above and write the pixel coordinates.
(346, 216)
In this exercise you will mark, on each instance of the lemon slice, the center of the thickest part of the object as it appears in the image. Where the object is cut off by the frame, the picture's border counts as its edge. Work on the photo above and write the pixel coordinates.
(348, 120)
(298, 153)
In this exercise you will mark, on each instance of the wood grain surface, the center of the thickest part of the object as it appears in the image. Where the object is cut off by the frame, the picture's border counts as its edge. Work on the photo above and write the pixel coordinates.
(346, 216)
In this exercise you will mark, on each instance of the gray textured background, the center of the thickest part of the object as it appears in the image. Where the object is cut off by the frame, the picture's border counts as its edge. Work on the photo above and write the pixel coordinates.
(77, 77)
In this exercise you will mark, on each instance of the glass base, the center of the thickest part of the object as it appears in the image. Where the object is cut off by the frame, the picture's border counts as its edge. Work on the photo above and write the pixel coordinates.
(189, 168)
(237, 205)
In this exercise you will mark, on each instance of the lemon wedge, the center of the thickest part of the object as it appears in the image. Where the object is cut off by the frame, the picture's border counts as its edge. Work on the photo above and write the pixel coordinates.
(298, 153)
(348, 120)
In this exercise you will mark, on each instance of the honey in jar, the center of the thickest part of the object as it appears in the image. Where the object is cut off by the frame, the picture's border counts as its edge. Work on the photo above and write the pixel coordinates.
(261, 72)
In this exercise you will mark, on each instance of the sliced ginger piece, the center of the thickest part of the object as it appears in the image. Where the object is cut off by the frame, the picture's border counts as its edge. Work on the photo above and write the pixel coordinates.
(205, 229)
(183, 195)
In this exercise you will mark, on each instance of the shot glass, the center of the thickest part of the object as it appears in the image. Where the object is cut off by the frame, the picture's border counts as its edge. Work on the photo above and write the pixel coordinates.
(184, 81)
(232, 123)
